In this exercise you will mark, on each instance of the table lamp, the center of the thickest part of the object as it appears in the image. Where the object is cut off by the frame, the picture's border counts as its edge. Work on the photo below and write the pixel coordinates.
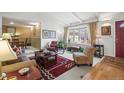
(98, 37)
(6, 36)
(6, 53)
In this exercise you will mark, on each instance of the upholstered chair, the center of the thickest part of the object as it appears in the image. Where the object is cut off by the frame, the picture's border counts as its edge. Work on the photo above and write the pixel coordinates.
(53, 46)
(84, 58)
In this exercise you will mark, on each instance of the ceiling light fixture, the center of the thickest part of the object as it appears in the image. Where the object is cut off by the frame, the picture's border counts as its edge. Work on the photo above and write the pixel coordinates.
(33, 23)
(11, 23)
(31, 27)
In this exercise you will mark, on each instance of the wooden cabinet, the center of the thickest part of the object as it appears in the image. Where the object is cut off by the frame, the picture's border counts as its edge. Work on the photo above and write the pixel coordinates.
(99, 51)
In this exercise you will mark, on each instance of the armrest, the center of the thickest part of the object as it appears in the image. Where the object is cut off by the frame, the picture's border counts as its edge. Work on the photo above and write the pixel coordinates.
(81, 57)
(17, 66)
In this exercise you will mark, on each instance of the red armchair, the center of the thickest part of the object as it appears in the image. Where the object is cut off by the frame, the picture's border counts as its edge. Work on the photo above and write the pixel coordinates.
(53, 46)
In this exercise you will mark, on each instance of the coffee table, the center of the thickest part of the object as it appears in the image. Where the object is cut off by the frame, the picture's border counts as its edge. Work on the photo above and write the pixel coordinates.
(46, 60)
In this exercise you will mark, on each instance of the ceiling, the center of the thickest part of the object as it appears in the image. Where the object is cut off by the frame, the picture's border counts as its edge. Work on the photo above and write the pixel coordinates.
(17, 22)
(63, 18)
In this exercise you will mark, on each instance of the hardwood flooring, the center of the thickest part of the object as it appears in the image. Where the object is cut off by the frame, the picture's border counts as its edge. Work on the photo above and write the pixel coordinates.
(110, 68)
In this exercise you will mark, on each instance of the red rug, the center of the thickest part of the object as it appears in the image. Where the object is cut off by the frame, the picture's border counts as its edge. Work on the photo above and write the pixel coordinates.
(62, 65)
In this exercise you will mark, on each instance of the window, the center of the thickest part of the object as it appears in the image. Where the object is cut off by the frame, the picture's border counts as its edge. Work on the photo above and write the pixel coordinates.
(122, 25)
(79, 35)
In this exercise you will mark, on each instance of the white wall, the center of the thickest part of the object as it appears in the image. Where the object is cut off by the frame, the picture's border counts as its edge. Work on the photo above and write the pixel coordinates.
(59, 35)
(50, 23)
(47, 22)
(109, 41)
(0, 26)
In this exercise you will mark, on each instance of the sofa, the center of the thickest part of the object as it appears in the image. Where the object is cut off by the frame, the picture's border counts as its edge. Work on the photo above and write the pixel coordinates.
(17, 66)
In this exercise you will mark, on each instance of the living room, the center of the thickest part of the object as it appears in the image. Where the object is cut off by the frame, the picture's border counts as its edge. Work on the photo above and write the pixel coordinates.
(71, 36)
(61, 46)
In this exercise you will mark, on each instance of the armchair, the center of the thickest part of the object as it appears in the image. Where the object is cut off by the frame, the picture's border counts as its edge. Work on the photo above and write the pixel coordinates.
(84, 58)
(53, 46)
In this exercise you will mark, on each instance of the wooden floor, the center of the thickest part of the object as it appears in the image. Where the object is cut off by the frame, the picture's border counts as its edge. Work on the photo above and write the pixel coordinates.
(110, 68)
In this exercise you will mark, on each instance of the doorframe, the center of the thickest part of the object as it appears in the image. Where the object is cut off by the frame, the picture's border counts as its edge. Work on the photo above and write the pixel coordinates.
(114, 34)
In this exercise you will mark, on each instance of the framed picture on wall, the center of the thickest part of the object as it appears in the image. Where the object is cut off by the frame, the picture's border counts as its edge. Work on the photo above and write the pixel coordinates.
(48, 34)
(106, 30)
(11, 30)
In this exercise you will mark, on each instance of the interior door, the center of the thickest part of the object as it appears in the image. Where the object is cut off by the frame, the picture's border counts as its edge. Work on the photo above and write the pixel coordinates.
(119, 39)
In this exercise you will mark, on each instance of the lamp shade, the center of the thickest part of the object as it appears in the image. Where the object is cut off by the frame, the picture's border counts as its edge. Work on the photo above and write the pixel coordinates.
(6, 36)
(6, 52)
(98, 37)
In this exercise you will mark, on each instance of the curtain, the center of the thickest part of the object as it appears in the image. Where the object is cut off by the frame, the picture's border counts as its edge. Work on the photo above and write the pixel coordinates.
(93, 28)
(65, 35)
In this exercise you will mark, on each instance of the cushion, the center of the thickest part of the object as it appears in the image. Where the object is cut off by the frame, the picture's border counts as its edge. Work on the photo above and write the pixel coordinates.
(54, 42)
(76, 54)
(81, 49)
(86, 49)
(53, 45)
(17, 50)
(76, 47)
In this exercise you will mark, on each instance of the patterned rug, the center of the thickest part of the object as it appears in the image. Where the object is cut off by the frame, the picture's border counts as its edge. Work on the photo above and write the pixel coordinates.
(62, 65)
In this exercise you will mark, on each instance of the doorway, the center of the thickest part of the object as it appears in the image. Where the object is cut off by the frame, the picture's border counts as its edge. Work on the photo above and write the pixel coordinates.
(25, 31)
(119, 38)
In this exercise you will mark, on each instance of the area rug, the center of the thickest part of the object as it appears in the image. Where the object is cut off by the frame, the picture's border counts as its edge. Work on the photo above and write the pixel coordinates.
(62, 65)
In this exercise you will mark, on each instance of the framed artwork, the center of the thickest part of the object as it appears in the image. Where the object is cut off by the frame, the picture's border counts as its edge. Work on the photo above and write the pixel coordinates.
(11, 30)
(48, 34)
(106, 30)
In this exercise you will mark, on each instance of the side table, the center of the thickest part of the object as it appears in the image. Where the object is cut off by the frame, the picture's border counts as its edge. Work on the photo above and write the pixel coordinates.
(34, 74)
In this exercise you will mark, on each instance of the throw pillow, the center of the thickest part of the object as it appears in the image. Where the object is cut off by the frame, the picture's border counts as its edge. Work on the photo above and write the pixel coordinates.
(17, 50)
(81, 49)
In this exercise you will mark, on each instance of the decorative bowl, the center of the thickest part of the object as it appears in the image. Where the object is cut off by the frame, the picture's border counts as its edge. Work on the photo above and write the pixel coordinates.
(23, 71)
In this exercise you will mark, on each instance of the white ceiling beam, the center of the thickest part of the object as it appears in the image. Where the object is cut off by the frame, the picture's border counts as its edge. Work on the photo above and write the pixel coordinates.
(76, 15)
